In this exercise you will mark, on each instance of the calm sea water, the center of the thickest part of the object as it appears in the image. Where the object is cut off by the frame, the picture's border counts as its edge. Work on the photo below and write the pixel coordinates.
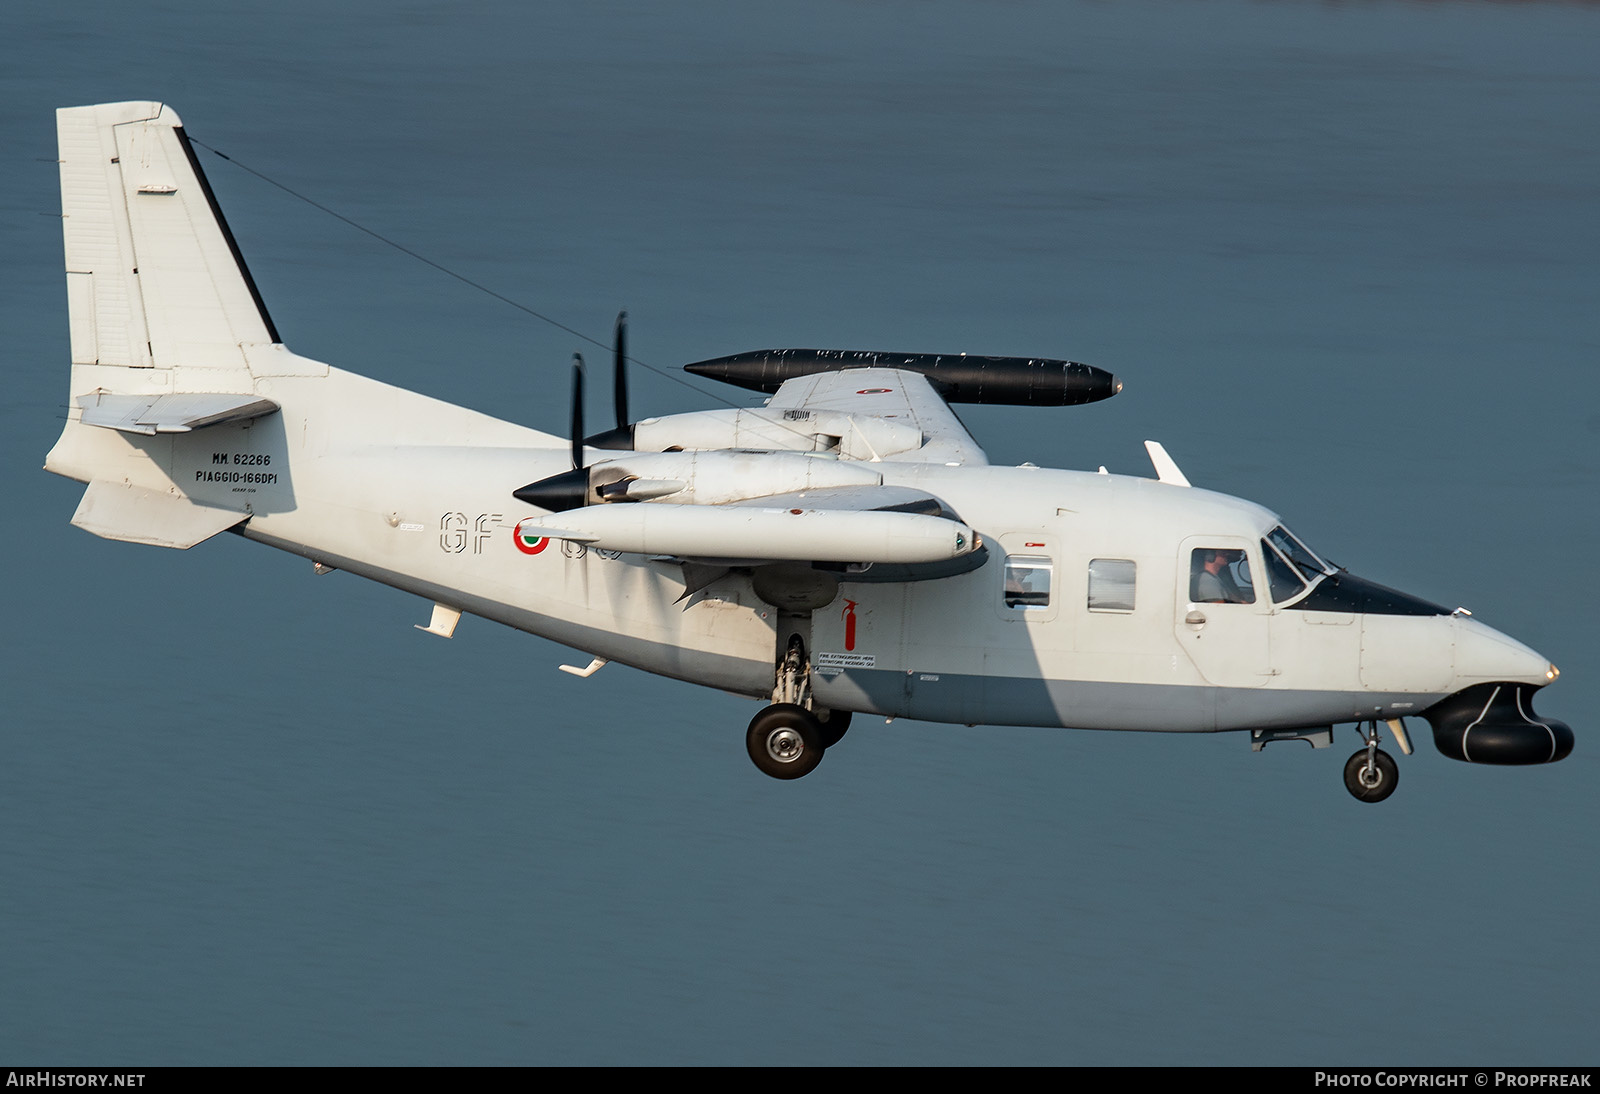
(1344, 257)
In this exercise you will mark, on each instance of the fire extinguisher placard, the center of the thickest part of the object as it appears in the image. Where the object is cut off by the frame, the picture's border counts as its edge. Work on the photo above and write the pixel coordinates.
(838, 662)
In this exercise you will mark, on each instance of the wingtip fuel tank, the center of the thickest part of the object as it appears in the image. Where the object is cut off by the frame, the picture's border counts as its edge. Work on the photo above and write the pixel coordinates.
(959, 377)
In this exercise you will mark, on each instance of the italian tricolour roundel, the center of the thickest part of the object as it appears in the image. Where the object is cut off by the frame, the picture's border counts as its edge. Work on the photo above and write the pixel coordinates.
(530, 542)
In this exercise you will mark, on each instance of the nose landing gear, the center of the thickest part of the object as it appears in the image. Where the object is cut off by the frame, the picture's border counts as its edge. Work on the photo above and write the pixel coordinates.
(1371, 774)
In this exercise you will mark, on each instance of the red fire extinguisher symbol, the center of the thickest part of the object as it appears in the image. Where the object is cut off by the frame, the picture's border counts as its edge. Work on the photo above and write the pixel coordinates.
(849, 625)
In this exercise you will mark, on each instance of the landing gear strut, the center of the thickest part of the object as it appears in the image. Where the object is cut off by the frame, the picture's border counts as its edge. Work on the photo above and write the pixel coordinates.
(788, 738)
(1371, 774)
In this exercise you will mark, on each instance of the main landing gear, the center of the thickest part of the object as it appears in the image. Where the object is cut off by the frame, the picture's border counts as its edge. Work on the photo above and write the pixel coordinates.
(1371, 774)
(787, 739)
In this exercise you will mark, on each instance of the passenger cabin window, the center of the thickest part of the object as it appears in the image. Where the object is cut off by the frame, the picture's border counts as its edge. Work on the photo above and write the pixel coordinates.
(1111, 584)
(1028, 581)
(1282, 578)
(1220, 576)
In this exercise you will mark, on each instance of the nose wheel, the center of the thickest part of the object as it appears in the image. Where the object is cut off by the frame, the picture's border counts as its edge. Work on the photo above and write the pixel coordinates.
(1371, 774)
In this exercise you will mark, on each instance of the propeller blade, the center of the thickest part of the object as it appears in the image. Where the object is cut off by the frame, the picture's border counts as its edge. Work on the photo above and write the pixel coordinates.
(569, 489)
(620, 438)
(619, 382)
(577, 410)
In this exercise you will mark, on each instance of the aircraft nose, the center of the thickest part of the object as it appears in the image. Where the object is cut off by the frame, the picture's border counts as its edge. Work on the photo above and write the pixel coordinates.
(1490, 717)
(1484, 654)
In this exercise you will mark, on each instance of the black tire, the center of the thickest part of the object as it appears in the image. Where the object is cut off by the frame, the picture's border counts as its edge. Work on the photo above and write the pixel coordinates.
(785, 741)
(1380, 784)
(833, 727)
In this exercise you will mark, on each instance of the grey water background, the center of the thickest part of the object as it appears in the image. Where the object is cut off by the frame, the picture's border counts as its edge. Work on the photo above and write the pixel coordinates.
(1346, 258)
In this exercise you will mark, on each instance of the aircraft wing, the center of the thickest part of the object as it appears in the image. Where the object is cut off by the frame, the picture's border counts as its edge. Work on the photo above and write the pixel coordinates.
(877, 499)
(893, 394)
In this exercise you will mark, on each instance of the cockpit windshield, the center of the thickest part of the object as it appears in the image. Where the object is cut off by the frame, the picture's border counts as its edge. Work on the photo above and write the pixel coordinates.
(1284, 582)
(1298, 554)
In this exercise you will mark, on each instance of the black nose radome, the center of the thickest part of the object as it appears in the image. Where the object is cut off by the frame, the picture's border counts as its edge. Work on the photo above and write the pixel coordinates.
(1496, 724)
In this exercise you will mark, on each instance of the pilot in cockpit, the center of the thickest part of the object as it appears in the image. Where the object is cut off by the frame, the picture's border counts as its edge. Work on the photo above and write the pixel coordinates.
(1212, 580)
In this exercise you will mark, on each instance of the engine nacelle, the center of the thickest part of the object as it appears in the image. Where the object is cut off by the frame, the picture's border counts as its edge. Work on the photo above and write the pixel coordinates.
(700, 478)
(751, 533)
(1496, 724)
(851, 436)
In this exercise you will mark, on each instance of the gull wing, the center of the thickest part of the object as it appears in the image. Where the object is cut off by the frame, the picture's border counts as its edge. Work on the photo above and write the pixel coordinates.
(892, 394)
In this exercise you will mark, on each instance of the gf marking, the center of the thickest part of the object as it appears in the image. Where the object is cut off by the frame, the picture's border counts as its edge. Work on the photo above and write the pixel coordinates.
(455, 532)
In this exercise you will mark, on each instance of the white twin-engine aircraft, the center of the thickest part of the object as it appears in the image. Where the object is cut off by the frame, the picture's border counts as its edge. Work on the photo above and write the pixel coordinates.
(844, 549)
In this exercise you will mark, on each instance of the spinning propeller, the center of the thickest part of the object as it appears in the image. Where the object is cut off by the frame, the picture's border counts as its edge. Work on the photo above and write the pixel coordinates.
(572, 489)
(569, 489)
(620, 438)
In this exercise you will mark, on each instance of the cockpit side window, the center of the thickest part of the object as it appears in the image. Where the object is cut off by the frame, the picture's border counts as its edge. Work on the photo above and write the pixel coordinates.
(1220, 576)
(1282, 579)
(1299, 555)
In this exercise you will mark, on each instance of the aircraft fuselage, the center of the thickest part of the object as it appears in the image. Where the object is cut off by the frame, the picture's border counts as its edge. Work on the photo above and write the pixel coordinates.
(438, 521)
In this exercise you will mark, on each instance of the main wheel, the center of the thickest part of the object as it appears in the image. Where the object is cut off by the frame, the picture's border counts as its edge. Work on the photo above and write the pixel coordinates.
(1374, 785)
(785, 741)
(833, 727)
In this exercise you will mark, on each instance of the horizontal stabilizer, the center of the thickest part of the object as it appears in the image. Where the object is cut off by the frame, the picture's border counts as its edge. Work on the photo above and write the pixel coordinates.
(139, 515)
(151, 414)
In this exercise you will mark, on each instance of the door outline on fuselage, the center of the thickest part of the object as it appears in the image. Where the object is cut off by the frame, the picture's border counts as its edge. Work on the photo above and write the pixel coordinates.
(1230, 644)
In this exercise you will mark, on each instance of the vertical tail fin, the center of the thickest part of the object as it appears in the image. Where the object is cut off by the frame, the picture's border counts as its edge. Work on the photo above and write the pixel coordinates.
(175, 363)
(154, 278)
